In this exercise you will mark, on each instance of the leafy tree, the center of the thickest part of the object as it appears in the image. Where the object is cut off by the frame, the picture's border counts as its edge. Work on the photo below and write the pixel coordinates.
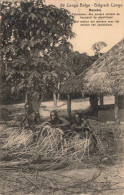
(69, 63)
(31, 32)
(81, 61)
(98, 46)
(60, 67)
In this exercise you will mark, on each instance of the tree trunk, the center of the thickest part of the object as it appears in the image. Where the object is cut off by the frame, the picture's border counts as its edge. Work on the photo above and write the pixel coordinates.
(32, 105)
(94, 105)
(116, 110)
(94, 102)
(101, 99)
(55, 99)
(69, 105)
(58, 91)
(58, 96)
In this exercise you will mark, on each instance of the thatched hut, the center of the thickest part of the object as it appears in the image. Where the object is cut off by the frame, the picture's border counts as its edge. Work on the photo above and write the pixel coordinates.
(104, 77)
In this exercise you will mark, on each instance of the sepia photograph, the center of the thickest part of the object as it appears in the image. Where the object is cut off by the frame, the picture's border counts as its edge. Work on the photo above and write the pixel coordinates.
(61, 97)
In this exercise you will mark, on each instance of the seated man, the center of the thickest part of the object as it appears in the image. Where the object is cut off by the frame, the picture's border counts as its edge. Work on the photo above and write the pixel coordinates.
(79, 124)
(31, 118)
(57, 121)
(82, 127)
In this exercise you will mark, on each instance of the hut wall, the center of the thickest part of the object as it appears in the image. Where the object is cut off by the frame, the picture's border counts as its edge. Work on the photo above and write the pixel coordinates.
(106, 113)
(121, 102)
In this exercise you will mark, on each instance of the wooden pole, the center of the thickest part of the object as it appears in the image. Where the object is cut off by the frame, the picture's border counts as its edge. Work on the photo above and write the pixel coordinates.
(116, 110)
(101, 99)
(69, 105)
(55, 99)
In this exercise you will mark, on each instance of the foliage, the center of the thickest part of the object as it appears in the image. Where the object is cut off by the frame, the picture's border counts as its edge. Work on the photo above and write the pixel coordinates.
(31, 31)
(79, 62)
(98, 46)
(69, 63)
(37, 56)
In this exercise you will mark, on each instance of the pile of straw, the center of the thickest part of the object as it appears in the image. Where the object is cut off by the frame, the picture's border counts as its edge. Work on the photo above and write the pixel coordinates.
(46, 145)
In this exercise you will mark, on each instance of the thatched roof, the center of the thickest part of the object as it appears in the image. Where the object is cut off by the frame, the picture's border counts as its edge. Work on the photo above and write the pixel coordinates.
(105, 76)
(73, 85)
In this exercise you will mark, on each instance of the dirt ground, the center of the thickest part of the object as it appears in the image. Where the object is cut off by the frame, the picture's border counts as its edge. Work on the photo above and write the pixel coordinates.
(77, 181)
(96, 175)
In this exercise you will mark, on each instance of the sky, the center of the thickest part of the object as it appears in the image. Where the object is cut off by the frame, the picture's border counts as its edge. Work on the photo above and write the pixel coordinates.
(86, 36)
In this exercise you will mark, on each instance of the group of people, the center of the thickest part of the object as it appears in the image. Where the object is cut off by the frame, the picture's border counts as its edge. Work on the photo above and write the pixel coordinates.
(77, 125)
